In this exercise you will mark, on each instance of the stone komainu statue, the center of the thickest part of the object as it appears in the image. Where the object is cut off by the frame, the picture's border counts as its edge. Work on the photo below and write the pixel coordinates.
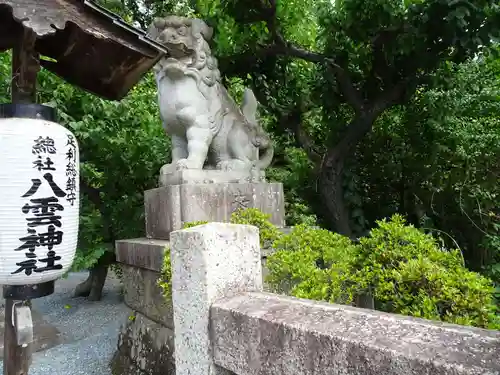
(208, 129)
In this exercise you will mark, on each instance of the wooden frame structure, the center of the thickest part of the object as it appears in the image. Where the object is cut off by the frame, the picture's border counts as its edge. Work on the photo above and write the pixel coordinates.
(87, 46)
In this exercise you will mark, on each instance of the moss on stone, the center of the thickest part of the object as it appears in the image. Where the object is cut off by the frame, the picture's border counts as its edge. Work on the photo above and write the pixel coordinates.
(140, 353)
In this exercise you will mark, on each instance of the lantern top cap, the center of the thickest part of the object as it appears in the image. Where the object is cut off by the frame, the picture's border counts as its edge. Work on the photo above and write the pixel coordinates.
(86, 45)
(32, 111)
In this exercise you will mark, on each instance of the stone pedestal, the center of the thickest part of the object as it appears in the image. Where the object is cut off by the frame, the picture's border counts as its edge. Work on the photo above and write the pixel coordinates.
(145, 345)
(167, 208)
(170, 176)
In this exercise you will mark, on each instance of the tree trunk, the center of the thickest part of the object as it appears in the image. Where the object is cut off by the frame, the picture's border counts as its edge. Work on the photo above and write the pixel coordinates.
(332, 194)
(330, 175)
(93, 286)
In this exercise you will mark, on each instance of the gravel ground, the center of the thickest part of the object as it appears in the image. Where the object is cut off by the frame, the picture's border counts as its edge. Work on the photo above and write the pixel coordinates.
(89, 329)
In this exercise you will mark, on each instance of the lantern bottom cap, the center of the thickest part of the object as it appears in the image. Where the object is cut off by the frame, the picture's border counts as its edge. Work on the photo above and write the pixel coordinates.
(27, 292)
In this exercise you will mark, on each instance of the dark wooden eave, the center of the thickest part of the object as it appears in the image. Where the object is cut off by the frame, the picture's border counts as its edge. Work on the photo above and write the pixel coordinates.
(91, 47)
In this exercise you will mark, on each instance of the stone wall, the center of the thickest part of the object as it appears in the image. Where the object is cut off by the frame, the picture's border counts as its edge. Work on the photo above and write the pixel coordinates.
(145, 344)
(145, 347)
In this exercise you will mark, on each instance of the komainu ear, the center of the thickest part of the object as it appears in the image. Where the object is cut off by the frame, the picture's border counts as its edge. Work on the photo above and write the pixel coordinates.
(159, 23)
(156, 27)
(199, 26)
(249, 106)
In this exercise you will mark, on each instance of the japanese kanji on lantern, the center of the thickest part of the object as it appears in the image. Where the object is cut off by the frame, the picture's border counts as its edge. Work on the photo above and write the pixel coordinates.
(39, 195)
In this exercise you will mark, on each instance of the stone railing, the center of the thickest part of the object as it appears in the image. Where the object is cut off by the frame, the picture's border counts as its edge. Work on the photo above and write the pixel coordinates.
(225, 324)
(259, 333)
(146, 342)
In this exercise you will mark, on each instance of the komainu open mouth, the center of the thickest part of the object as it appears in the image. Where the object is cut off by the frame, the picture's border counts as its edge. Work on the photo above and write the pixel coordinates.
(178, 50)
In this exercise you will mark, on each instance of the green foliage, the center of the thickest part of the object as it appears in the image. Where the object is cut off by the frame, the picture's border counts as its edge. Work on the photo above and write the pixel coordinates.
(122, 147)
(252, 216)
(117, 270)
(492, 268)
(193, 224)
(301, 259)
(91, 242)
(438, 161)
(410, 274)
(401, 267)
(86, 259)
(381, 47)
(435, 140)
(165, 279)
(294, 172)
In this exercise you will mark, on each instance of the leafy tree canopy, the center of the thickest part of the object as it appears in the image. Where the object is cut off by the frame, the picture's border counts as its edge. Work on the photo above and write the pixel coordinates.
(327, 74)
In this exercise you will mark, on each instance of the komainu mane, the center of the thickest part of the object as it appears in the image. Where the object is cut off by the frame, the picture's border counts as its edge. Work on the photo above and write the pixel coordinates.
(208, 129)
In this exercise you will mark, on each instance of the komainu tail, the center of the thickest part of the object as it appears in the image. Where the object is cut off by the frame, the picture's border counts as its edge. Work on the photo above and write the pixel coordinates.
(249, 106)
(261, 140)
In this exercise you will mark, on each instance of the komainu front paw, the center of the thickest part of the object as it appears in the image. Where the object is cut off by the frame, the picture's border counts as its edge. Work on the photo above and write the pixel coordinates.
(224, 165)
(233, 165)
(168, 168)
(186, 164)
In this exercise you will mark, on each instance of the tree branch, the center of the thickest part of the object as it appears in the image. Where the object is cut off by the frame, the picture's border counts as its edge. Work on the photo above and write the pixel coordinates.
(281, 47)
(293, 121)
(347, 88)
(363, 122)
(94, 195)
(397, 94)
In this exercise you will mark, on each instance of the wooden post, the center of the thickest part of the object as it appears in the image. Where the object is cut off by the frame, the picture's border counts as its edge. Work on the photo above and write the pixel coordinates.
(16, 359)
(25, 68)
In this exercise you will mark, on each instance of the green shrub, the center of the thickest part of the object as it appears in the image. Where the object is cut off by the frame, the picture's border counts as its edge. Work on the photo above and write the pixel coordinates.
(304, 259)
(252, 216)
(403, 268)
(410, 274)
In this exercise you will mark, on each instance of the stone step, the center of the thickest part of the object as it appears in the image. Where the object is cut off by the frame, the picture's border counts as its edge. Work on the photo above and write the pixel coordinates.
(141, 252)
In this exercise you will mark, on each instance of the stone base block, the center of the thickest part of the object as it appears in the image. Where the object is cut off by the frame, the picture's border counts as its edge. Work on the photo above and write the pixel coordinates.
(170, 176)
(144, 348)
(142, 294)
(167, 208)
(142, 252)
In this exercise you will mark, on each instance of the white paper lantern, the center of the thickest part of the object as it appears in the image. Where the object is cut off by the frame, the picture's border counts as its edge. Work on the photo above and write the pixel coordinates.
(39, 200)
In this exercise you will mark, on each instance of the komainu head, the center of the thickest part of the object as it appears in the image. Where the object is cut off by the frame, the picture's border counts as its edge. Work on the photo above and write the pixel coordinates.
(181, 35)
(189, 54)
